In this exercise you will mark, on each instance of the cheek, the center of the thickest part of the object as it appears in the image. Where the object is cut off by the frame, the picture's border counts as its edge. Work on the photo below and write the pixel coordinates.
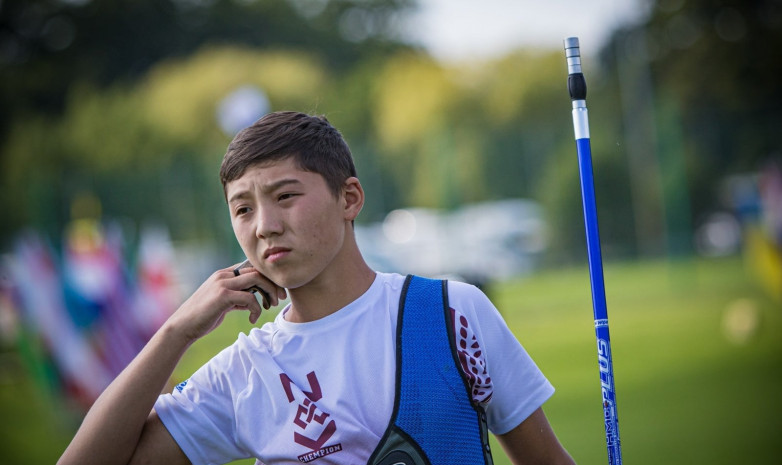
(327, 233)
(242, 233)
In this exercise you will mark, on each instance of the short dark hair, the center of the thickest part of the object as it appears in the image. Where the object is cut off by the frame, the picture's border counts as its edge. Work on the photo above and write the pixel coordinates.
(311, 141)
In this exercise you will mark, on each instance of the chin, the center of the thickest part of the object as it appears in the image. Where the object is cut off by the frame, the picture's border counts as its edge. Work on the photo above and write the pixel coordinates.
(292, 281)
(285, 280)
(291, 284)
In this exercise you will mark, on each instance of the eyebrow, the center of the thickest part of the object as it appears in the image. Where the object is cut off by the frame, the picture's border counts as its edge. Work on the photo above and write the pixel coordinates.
(266, 188)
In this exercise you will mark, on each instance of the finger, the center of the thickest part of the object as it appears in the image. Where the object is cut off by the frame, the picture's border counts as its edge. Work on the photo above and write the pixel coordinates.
(256, 283)
(246, 301)
(240, 266)
(267, 300)
(252, 280)
(255, 313)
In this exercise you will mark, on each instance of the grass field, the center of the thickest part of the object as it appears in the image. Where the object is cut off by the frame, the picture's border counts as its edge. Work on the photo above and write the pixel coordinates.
(697, 353)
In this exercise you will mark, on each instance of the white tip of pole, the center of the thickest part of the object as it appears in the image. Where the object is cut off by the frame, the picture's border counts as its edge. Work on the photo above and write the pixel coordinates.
(571, 42)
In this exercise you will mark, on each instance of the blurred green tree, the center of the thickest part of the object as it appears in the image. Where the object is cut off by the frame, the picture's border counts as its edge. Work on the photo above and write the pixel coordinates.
(47, 45)
(713, 86)
(149, 151)
(120, 96)
(69, 71)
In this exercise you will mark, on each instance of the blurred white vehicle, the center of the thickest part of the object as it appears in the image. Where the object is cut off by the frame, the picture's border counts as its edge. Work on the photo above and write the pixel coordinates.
(479, 243)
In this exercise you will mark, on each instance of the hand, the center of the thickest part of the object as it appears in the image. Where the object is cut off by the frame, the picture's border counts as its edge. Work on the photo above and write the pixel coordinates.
(223, 292)
(266, 297)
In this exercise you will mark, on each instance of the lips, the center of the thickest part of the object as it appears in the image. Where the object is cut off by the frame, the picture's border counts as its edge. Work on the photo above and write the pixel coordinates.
(275, 253)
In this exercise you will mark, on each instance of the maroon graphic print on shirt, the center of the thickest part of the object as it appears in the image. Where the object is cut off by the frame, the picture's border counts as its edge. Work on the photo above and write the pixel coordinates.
(307, 415)
(471, 359)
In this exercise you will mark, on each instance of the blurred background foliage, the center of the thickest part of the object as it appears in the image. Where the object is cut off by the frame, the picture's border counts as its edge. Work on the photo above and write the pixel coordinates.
(119, 98)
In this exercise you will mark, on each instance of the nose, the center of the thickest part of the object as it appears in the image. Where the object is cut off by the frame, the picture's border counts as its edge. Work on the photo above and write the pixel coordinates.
(268, 223)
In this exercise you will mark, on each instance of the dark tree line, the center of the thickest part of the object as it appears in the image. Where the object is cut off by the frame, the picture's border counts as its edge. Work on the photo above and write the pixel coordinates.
(48, 45)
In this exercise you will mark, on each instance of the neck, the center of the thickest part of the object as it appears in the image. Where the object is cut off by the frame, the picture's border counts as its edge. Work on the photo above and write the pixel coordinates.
(332, 290)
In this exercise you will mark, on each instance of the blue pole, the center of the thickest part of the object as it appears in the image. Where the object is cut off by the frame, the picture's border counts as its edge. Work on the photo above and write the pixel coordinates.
(577, 89)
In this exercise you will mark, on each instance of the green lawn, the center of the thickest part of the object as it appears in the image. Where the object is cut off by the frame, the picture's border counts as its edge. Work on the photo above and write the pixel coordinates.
(685, 393)
(688, 391)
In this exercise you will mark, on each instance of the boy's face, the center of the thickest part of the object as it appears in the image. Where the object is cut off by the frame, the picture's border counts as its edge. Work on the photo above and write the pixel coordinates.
(287, 221)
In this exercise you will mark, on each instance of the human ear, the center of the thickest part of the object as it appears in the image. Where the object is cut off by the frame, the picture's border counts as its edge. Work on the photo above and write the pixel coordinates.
(353, 196)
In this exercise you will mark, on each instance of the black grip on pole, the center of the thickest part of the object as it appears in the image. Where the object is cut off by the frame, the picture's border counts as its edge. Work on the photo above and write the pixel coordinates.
(577, 86)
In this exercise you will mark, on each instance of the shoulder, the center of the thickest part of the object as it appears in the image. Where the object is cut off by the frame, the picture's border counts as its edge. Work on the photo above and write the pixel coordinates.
(236, 360)
(468, 299)
(471, 307)
(391, 281)
(462, 289)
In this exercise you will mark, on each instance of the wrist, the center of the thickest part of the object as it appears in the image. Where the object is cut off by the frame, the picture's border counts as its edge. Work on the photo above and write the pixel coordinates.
(176, 335)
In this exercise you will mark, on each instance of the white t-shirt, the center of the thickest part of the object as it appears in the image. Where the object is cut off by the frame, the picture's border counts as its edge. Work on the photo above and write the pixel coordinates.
(324, 390)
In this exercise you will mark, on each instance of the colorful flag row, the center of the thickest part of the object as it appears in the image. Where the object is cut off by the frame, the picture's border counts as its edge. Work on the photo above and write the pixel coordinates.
(84, 311)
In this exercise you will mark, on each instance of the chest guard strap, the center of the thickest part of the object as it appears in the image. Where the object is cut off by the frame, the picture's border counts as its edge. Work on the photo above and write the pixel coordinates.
(434, 421)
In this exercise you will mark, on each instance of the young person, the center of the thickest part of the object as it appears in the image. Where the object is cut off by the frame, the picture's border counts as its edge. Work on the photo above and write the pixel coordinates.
(338, 377)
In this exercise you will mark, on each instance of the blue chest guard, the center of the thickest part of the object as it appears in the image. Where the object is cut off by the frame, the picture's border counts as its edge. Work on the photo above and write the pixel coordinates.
(434, 421)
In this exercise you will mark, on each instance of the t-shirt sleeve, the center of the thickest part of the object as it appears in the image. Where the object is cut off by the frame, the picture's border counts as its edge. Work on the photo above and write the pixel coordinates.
(199, 413)
(505, 375)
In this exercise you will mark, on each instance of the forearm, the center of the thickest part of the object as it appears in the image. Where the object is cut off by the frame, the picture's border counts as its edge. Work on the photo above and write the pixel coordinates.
(112, 428)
